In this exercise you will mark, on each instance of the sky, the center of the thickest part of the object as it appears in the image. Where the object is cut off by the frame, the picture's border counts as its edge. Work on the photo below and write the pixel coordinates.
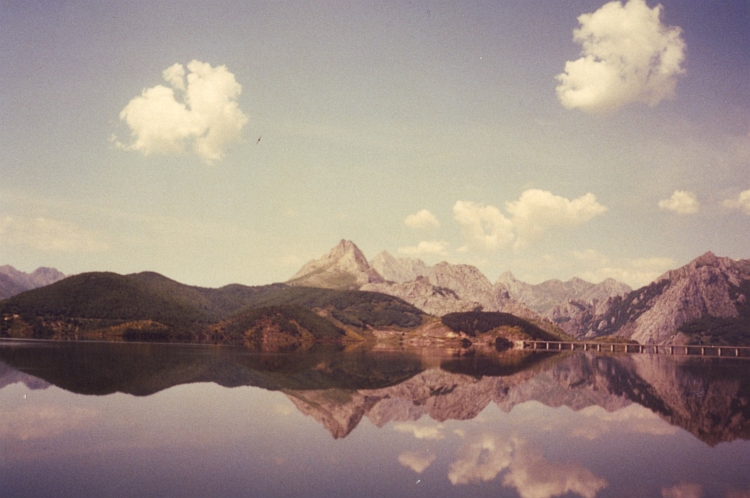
(231, 142)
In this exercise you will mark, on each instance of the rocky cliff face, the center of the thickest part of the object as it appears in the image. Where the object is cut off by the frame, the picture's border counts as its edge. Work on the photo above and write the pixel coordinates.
(398, 270)
(543, 297)
(345, 267)
(13, 281)
(709, 287)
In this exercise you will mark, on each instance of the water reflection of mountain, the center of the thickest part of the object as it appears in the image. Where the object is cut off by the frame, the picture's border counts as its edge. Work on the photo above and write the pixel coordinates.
(708, 397)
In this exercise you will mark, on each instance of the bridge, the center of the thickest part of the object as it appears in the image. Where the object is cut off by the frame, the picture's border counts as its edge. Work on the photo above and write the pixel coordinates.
(621, 347)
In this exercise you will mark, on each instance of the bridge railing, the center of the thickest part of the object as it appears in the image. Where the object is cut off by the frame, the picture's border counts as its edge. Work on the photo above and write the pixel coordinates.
(614, 347)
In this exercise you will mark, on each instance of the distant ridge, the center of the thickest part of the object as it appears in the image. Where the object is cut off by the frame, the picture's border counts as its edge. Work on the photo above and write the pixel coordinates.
(13, 281)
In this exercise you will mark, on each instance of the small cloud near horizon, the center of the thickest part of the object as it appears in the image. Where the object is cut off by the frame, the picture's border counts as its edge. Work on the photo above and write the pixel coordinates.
(741, 203)
(627, 56)
(422, 219)
(681, 202)
(200, 109)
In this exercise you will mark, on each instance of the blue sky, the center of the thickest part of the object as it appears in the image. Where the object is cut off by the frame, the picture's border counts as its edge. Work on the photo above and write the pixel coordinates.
(486, 133)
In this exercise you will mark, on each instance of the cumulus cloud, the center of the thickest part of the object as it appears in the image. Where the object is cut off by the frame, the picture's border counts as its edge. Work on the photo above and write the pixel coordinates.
(683, 490)
(681, 202)
(429, 432)
(422, 219)
(416, 461)
(425, 247)
(537, 210)
(46, 234)
(484, 226)
(742, 203)
(627, 56)
(199, 108)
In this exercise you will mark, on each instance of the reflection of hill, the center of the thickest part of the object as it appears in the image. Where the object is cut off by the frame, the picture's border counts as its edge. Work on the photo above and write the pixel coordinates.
(708, 397)
(144, 369)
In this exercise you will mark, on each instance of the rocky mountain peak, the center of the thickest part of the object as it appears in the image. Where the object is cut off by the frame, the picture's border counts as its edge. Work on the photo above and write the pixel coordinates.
(344, 267)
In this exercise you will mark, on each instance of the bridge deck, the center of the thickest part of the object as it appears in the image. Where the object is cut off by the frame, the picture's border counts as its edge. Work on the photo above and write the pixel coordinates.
(692, 350)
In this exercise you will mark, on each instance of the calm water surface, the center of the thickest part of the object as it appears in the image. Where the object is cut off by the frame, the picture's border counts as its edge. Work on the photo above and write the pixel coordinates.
(94, 419)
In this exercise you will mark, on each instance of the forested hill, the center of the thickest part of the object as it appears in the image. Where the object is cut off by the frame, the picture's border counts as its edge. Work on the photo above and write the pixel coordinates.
(150, 302)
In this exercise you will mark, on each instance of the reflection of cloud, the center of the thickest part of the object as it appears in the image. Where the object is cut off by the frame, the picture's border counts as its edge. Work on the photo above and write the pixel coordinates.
(416, 461)
(683, 490)
(633, 418)
(434, 432)
(481, 461)
(529, 472)
(39, 422)
(535, 477)
(735, 493)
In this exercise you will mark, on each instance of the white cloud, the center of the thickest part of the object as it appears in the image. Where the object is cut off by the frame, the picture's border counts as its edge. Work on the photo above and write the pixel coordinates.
(422, 219)
(537, 210)
(742, 202)
(416, 461)
(199, 109)
(45, 234)
(628, 55)
(484, 226)
(681, 202)
(425, 247)
(683, 490)
(430, 432)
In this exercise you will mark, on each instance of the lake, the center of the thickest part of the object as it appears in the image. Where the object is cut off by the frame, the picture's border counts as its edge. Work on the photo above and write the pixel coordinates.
(126, 419)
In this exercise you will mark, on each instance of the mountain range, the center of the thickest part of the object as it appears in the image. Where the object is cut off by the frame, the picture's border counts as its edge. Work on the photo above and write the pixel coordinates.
(344, 296)
(705, 301)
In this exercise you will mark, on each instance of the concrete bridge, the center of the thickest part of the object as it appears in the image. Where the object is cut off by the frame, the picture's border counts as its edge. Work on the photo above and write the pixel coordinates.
(691, 350)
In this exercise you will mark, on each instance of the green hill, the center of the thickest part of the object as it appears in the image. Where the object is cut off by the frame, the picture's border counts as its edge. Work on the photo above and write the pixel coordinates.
(149, 306)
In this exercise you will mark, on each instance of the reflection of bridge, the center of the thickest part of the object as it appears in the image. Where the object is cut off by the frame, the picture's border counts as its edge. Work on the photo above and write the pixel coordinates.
(621, 347)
